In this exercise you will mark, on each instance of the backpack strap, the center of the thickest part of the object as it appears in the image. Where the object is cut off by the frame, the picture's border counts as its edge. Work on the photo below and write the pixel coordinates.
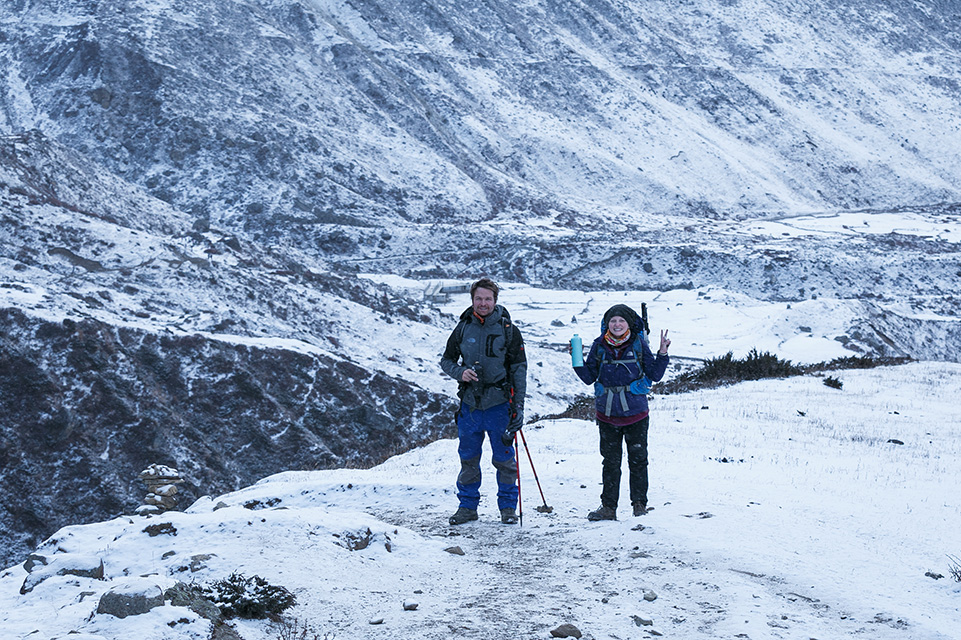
(621, 394)
(506, 326)
(621, 391)
(638, 351)
(510, 357)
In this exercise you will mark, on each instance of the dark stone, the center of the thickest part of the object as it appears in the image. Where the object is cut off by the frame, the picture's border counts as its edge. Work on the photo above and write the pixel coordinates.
(131, 599)
(190, 596)
(63, 565)
(566, 631)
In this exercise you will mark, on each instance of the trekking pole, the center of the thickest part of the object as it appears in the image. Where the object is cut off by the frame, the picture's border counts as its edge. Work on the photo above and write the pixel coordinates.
(544, 508)
(520, 504)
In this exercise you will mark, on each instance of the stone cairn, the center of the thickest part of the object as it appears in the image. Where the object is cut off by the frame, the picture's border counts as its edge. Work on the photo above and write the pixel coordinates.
(161, 484)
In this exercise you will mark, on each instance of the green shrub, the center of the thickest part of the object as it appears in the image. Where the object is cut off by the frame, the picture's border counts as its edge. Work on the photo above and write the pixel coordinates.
(754, 366)
(238, 596)
(833, 382)
(858, 362)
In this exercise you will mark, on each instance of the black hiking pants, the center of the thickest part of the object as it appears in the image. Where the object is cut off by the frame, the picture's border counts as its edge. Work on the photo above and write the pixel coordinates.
(635, 435)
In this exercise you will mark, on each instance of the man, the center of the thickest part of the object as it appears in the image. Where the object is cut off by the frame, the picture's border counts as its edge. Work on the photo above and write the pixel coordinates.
(485, 354)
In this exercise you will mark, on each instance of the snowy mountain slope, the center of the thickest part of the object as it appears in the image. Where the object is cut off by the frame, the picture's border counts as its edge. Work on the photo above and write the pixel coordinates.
(292, 113)
(449, 140)
(768, 524)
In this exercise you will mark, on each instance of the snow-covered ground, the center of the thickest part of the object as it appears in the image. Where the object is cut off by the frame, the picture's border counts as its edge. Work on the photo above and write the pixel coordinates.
(783, 509)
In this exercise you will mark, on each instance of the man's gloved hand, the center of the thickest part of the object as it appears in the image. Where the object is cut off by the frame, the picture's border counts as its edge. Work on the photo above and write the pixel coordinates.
(515, 424)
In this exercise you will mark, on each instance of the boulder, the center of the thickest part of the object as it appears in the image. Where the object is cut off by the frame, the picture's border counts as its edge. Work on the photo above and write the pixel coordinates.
(73, 564)
(33, 561)
(131, 598)
(566, 631)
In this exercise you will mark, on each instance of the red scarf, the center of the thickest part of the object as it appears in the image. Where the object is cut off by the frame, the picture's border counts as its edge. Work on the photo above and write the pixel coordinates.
(617, 342)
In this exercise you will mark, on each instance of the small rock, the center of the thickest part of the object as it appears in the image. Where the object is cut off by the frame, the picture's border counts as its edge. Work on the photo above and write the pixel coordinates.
(457, 551)
(199, 561)
(649, 595)
(377, 621)
(164, 528)
(642, 622)
(222, 632)
(35, 560)
(410, 606)
(566, 631)
(655, 632)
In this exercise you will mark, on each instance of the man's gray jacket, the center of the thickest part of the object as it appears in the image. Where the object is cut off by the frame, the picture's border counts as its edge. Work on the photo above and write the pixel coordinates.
(494, 344)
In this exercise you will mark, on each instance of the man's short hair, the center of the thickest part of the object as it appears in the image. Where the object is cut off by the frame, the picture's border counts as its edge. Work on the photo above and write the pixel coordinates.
(485, 283)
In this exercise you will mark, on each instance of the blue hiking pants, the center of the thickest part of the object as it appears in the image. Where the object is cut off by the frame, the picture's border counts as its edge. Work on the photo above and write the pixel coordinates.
(472, 424)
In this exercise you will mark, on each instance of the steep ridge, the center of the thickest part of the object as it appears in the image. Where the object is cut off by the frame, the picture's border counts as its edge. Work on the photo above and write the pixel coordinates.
(279, 116)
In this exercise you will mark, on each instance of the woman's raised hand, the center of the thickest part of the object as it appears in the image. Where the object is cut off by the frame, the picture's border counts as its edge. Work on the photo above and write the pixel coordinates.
(665, 341)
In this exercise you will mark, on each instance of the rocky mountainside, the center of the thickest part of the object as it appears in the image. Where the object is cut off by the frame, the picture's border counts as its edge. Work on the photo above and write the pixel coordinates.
(281, 117)
(126, 339)
(188, 190)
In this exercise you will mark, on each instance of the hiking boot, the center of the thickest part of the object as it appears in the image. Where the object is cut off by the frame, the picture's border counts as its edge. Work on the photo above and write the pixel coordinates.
(463, 515)
(640, 508)
(602, 513)
(508, 516)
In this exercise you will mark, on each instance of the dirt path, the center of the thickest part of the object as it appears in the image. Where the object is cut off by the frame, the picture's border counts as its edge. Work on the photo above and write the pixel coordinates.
(522, 582)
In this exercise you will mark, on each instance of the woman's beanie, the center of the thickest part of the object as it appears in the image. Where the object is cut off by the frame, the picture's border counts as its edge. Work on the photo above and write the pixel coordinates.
(633, 321)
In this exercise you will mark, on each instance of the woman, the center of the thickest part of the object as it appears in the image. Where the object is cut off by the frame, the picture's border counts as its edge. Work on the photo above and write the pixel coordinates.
(621, 367)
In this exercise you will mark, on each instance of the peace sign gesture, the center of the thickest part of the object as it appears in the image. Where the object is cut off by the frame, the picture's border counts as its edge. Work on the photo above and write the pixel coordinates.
(665, 342)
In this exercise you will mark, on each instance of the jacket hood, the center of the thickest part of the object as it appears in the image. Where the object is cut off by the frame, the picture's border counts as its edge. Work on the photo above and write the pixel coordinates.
(624, 311)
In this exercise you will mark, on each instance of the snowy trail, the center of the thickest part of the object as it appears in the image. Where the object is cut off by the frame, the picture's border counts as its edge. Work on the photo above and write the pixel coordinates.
(560, 568)
(767, 525)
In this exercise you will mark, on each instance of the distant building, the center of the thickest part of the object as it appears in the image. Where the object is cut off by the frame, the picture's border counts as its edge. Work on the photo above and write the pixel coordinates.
(439, 291)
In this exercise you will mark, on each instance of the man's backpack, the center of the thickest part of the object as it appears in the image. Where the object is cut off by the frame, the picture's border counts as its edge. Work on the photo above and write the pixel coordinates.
(507, 326)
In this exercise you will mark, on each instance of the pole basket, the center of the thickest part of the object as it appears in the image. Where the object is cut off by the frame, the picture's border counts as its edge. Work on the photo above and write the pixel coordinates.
(544, 508)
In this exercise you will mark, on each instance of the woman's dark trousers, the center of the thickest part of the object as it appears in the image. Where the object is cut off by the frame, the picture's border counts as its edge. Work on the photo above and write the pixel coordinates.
(635, 435)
